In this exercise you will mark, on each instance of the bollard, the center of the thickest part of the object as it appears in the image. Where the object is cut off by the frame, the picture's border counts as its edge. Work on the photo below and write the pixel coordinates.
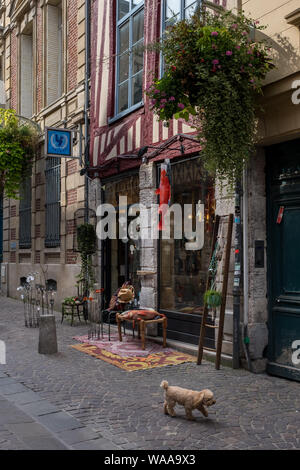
(47, 336)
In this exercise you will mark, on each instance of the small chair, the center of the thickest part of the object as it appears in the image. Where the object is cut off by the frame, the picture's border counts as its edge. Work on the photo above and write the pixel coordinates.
(71, 309)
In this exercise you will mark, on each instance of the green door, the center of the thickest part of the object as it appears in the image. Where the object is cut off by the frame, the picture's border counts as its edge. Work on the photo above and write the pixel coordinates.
(283, 190)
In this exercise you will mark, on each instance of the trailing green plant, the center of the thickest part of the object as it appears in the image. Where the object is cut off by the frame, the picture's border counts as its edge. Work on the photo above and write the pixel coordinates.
(87, 245)
(212, 298)
(18, 144)
(213, 73)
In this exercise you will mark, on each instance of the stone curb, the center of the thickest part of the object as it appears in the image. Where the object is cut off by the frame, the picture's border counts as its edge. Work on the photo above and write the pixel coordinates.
(38, 419)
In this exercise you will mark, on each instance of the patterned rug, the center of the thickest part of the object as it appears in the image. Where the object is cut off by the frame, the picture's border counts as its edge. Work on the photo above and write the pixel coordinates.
(130, 346)
(167, 357)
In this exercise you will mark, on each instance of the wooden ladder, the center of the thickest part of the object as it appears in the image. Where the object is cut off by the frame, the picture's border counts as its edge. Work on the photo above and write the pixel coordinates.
(204, 323)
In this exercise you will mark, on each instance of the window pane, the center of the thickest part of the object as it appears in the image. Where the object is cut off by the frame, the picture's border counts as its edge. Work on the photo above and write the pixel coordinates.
(137, 93)
(123, 67)
(189, 2)
(137, 57)
(172, 8)
(190, 11)
(138, 27)
(124, 37)
(123, 97)
(123, 8)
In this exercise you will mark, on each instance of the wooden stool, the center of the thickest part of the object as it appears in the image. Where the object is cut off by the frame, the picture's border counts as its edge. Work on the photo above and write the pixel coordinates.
(142, 326)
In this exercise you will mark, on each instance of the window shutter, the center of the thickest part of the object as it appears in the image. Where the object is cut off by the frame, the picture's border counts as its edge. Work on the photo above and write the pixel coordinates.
(52, 172)
(54, 53)
(25, 214)
(26, 76)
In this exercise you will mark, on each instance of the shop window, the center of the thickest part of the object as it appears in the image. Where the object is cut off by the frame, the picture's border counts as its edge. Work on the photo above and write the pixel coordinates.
(183, 272)
(52, 206)
(130, 55)
(25, 214)
(121, 258)
(54, 53)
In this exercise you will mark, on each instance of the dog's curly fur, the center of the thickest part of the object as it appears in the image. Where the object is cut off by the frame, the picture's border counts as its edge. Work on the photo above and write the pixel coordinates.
(190, 399)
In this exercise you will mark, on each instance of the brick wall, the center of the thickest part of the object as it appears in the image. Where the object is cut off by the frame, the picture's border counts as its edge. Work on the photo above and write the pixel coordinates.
(13, 211)
(70, 227)
(71, 167)
(71, 196)
(71, 257)
(72, 44)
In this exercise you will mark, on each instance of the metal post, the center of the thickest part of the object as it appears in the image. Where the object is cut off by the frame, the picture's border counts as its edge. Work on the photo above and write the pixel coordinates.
(86, 108)
(237, 278)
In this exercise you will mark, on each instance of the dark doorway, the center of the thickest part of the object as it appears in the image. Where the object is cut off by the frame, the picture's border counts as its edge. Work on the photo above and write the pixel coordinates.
(283, 217)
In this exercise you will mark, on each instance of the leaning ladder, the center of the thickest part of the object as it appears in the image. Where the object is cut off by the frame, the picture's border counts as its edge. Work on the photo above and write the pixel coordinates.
(204, 323)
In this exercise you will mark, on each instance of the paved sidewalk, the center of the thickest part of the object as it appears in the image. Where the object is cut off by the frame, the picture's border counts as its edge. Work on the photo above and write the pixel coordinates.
(124, 409)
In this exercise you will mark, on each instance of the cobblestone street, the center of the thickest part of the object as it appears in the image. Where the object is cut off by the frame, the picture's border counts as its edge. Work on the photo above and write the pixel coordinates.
(123, 410)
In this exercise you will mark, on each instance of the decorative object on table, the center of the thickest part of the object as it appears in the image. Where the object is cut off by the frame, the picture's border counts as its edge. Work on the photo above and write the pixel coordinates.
(222, 296)
(140, 316)
(132, 363)
(190, 399)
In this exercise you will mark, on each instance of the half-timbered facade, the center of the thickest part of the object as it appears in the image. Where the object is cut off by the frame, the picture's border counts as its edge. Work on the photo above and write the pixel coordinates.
(164, 274)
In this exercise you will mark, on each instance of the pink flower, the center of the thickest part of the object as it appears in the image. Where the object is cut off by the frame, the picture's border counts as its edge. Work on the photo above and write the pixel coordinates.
(156, 91)
(215, 33)
(153, 102)
(181, 105)
(250, 65)
(228, 52)
(238, 47)
(162, 106)
(215, 62)
(244, 33)
(234, 26)
(163, 101)
(172, 98)
(257, 22)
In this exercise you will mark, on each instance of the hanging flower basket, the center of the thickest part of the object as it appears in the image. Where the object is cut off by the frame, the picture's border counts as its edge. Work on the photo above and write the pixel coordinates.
(213, 73)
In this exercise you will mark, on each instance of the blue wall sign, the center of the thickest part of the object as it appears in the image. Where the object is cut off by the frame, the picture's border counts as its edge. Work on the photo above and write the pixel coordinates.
(58, 142)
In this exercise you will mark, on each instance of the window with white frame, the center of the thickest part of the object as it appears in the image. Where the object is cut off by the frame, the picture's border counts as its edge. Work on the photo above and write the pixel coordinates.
(129, 55)
(175, 10)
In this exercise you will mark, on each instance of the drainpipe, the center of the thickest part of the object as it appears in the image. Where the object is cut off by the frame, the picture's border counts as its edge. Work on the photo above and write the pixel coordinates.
(86, 110)
(246, 269)
(237, 278)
